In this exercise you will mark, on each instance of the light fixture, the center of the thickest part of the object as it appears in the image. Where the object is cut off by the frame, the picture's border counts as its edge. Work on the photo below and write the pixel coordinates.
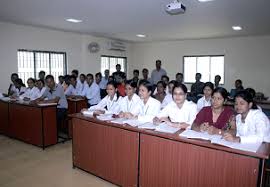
(72, 20)
(141, 35)
(237, 28)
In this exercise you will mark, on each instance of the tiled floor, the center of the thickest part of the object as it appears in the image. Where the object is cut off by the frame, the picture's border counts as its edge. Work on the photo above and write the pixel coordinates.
(23, 165)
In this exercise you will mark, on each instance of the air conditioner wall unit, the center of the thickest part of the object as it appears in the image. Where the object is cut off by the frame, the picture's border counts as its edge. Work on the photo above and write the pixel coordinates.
(116, 46)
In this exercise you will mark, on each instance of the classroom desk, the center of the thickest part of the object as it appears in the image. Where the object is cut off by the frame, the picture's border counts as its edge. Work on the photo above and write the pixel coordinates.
(32, 124)
(105, 151)
(74, 106)
(111, 151)
(3, 117)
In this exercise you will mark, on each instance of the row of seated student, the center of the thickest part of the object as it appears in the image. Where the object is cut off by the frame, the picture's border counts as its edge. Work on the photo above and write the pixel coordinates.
(177, 111)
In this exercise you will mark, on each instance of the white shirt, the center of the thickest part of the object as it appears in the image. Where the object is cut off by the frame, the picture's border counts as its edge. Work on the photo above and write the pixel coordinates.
(41, 92)
(186, 114)
(71, 90)
(113, 106)
(92, 93)
(13, 88)
(32, 94)
(202, 102)
(18, 92)
(156, 75)
(149, 110)
(256, 127)
(168, 98)
(132, 105)
(103, 83)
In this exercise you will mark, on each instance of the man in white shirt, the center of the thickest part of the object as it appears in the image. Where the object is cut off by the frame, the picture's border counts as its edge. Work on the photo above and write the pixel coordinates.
(91, 91)
(74, 89)
(157, 73)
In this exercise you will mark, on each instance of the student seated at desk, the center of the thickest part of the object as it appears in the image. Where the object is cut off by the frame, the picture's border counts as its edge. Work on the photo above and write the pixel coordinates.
(149, 107)
(215, 119)
(91, 91)
(12, 88)
(129, 104)
(31, 92)
(168, 98)
(54, 94)
(207, 93)
(20, 88)
(74, 89)
(238, 87)
(179, 113)
(110, 103)
(40, 84)
(252, 124)
(160, 95)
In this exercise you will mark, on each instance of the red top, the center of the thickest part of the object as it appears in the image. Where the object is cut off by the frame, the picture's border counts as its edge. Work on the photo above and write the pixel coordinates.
(121, 90)
(206, 115)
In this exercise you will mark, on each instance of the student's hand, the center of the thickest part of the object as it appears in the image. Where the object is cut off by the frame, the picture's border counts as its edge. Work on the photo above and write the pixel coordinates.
(33, 102)
(156, 120)
(184, 125)
(84, 109)
(128, 115)
(204, 126)
(121, 115)
(231, 138)
(26, 99)
(165, 119)
(98, 112)
(212, 130)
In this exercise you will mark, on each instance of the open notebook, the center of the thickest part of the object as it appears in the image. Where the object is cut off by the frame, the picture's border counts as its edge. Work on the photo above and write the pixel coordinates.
(217, 139)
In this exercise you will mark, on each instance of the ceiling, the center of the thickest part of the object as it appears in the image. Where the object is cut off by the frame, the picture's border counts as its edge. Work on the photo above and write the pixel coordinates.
(123, 19)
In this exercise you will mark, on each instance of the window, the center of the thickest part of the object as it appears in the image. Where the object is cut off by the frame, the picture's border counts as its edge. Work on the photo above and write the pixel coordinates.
(109, 62)
(208, 66)
(31, 62)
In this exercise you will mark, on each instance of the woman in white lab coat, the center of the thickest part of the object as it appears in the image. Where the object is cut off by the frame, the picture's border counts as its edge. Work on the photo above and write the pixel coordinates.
(110, 103)
(252, 124)
(179, 113)
(129, 105)
(207, 94)
(32, 92)
(149, 107)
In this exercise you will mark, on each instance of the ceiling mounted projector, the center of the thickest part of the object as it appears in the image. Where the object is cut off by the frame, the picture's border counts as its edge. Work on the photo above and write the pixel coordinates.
(175, 7)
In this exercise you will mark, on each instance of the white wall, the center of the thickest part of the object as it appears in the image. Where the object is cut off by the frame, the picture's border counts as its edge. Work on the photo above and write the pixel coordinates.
(246, 58)
(14, 37)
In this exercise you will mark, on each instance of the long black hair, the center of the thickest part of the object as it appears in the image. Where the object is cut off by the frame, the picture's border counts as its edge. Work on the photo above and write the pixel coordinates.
(244, 94)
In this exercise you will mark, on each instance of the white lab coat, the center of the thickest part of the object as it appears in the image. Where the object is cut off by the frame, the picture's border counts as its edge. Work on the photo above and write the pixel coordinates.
(113, 106)
(149, 110)
(132, 105)
(256, 127)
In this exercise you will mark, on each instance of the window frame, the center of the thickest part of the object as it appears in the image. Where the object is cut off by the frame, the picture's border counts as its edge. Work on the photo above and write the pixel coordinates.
(183, 60)
(111, 56)
(43, 51)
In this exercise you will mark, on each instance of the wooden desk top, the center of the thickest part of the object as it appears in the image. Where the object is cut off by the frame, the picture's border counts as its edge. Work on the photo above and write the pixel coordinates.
(25, 103)
(263, 152)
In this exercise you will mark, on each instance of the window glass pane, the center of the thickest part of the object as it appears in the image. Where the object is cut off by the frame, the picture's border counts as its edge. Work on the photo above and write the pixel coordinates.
(108, 62)
(203, 67)
(42, 63)
(31, 62)
(208, 66)
(25, 65)
(189, 69)
(217, 68)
